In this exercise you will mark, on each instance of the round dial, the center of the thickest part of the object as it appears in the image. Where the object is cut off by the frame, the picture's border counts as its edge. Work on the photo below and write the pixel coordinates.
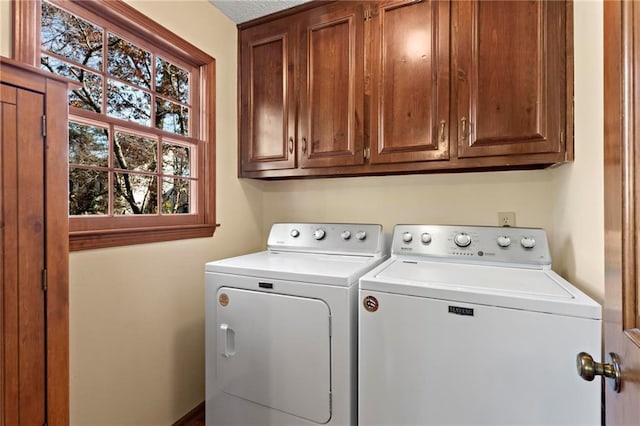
(407, 237)
(319, 234)
(425, 238)
(504, 241)
(294, 233)
(528, 242)
(361, 235)
(462, 239)
(346, 235)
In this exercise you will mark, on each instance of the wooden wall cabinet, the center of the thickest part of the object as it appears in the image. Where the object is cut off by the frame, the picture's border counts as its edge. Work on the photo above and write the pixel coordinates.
(301, 91)
(409, 91)
(406, 86)
(510, 86)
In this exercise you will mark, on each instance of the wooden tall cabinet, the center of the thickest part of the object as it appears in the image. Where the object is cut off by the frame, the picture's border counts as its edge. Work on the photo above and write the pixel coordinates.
(406, 86)
(34, 383)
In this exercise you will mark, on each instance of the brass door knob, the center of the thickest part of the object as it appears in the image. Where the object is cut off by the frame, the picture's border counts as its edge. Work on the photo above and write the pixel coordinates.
(588, 369)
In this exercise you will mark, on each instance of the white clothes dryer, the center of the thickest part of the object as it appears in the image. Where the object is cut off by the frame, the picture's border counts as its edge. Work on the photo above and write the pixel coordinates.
(470, 326)
(281, 327)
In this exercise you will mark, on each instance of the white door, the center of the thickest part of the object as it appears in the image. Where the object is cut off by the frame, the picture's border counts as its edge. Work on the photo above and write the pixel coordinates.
(275, 350)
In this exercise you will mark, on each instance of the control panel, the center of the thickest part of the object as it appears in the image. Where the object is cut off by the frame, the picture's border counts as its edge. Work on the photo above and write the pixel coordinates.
(491, 244)
(348, 238)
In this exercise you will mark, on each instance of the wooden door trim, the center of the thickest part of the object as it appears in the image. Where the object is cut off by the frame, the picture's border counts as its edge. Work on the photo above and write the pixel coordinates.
(621, 174)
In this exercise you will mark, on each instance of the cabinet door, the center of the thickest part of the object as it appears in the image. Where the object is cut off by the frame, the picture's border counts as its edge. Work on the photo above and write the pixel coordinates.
(332, 86)
(267, 97)
(510, 85)
(22, 242)
(409, 74)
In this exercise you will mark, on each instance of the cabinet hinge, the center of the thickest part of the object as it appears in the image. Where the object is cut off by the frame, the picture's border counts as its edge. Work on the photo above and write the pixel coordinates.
(45, 284)
(368, 14)
(44, 126)
(367, 153)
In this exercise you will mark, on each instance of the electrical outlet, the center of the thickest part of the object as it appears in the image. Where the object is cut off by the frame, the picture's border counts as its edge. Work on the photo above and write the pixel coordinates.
(506, 219)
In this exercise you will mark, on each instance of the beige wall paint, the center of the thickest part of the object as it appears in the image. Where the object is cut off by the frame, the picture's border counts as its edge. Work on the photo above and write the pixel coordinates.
(578, 243)
(566, 201)
(137, 314)
(5, 28)
(469, 198)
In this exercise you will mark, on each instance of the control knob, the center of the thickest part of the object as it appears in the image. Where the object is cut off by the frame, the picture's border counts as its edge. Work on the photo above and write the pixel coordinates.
(462, 239)
(504, 241)
(361, 235)
(425, 238)
(345, 235)
(294, 233)
(407, 237)
(528, 242)
(319, 234)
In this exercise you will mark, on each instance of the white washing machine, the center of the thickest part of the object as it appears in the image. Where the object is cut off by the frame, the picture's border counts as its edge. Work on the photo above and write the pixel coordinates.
(470, 326)
(281, 327)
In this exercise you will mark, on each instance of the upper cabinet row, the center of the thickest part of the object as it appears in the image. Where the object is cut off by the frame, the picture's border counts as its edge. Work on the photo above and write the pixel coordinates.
(353, 88)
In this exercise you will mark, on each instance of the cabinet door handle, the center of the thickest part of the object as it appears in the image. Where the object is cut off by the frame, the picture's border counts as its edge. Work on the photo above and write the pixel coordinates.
(463, 128)
(304, 144)
(443, 125)
(290, 144)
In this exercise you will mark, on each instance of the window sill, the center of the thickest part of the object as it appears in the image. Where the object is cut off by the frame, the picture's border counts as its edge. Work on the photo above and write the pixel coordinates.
(87, 240)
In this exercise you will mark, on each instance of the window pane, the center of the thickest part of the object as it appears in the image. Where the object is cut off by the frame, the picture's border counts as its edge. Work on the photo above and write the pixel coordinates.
(135, 194)
(135, 153)
(176, 160)
(172, 117)
(128, 62)
(175, 196)
(88, 145)
(128, 103)
(172, 81)
(89, 96)
(88, 192)
(71, 37)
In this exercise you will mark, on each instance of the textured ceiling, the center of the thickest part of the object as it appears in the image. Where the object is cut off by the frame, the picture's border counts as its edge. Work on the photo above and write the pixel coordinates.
(245, 10)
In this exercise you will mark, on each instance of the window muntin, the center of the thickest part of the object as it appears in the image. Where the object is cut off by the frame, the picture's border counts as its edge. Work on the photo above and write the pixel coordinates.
(117, 85)
(95, 231)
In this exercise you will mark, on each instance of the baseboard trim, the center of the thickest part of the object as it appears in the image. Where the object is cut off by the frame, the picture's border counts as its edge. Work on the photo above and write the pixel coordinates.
(184, 420)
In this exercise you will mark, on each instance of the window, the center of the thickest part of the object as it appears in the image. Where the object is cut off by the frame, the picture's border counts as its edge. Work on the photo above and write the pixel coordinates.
(141, 120)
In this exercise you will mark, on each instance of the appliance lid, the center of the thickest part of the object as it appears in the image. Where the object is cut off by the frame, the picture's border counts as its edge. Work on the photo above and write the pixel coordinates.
(509, 287)
(330, 269)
